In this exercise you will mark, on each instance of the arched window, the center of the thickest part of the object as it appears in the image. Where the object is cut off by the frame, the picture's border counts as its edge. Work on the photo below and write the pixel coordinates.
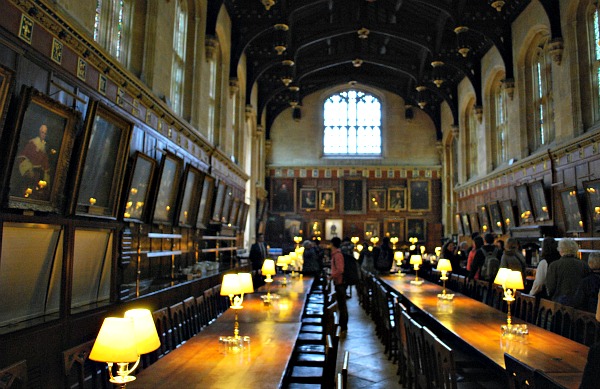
(214, 64)
(352, 124)
(179, 45)
(593, 23)
(471, 141)
(499, 126)
(542, 128)
(112, 26)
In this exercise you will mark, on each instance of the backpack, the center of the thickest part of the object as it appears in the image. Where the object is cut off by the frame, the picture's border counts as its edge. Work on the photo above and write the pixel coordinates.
(491, 264)
(350, 270)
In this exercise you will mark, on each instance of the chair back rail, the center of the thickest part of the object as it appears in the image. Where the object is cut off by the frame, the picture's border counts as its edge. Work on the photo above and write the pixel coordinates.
(81, 372)
(14, 376)
(519, 374)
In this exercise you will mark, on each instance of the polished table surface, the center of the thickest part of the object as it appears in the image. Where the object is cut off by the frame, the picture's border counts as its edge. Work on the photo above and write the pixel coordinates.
(204, 362)
(478, 325)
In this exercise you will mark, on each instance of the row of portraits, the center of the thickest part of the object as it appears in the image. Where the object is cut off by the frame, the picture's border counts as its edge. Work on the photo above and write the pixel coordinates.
(55, 164)
(533, 207)
(401, 228)
(353, 197)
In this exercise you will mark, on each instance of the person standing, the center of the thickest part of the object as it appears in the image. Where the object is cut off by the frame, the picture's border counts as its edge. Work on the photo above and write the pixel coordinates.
(337, 274)
(512, 258)
(258, 252)
(549, 254)
(565, 275)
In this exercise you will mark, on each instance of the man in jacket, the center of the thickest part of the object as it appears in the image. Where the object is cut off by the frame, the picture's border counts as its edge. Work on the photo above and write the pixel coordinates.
(337, 274)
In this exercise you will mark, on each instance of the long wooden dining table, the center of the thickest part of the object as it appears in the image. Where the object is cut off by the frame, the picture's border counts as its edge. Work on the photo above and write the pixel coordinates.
(478, 326)
(205, 362)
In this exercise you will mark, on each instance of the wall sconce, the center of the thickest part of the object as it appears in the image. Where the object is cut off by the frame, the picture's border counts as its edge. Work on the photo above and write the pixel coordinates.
(268, 4)
(416, 260)
(294, 88)
(297, 239)
(363, 33)
(287, 80)
(357, 62)
(463, 48)
(123, 341)
(398, 258)
(280, 49)
(511, 280)
(444, 266)
(421, 102)
(234, 286)
(438, 79)
(374, 240)
(354, 240)
(497, 4)
(288, 62)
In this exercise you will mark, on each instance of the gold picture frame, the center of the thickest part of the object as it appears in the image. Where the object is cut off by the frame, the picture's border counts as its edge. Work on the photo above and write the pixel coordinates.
(419, 198)
(396, 199)
(377, 200)
(326, 200)
(353, 196)
(394, 227)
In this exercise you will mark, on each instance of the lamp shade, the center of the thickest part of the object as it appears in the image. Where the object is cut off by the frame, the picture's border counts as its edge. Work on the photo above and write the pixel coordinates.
(246, 285)
(514, 280)
(444, 265)
(501, 275)
(398, 255)
(116, 341)
(416, 259)
(146, 336)
(231, 285)
(268, 267)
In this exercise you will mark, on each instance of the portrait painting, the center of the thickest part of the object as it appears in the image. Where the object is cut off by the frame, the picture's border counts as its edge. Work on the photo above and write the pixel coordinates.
(326, 200)
(227, 201)
(353, 195)
(190, 197)
(592, 191)
(495, 218)
(415, 228)
(396, 199)
(539, 201)
(308, 199)
(372, 229)
(168, 186)
(243, 216)
(105, 150)
(474, 221)
(206, 198)
(466, 224)
(234, 213)
(524, 205)
(508, 214)
(221, 188)
(315, 228)
(40, 153)
(419, 195)
(377, 199)
(138, 190)
(334, 228)
(394, 228)
(292, 227)
(458, 224)
(571, 210)
(484, 219)
(283, 194)
(6, 85)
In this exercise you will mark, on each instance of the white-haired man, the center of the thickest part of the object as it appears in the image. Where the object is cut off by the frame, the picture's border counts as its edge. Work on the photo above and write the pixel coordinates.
(565, 275)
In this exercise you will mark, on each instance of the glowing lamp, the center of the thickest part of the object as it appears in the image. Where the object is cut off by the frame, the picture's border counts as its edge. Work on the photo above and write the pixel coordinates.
(416, 260)
(511, 280)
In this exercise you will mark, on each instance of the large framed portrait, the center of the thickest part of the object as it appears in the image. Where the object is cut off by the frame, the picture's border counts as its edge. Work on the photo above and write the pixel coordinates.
(466, 224)
(539, 201)
(283, 195)
(495, 218)
(372, 229)
(227, 202)
(334, 228)
(419, 195)
(592, 190)
(459, 226)
(474, 222)
(39, 152)
(234, 213)
(189, 199)
(326, 200)
(243, 216)
(524, 205)
(572, 210)
(206, 200)
(484, 218)
(138, 189)
(6, 85)
(508, 214)
(308, 199)
(394, 227)
(261, 207)
(169, 179)
(396, 199)
(353, 194)
(292, 228)
(217, 209)
(416, 228)
(377, 200)
(315, 229)
(105, 148)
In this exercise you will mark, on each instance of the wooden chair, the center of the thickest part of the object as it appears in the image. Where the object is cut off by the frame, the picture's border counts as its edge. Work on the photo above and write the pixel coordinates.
(496, 298)
(211, 307)
(417, 370)
(586, 329)
(14, 376)
(345, 364)
(482, 291)
(179, 324)
(202, 314)
(81, 372)
(323, 375)
(519, 374)
(164, 330)
(525, 307)
(470, 287)
(191, 312)
(545, 314)
(563, 320)
(402, 346)
(441, 365)
(541, 380)
(453, 282)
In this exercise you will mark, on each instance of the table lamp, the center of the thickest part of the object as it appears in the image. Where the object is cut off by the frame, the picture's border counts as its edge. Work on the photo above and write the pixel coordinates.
(511, 280)
(268, 269)
(297, 239)
(234, 286)
(354, 240)
(422, 248)
(398, 258)
(416, 260)
(394, 241)
(122, 340)
(444, 266)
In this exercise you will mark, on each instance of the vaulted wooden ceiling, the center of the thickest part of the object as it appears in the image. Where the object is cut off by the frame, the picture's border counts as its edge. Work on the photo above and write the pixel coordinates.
(387, 44)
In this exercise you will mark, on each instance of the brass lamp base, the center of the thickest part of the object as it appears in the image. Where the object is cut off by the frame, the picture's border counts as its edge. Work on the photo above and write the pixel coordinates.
(417, 282)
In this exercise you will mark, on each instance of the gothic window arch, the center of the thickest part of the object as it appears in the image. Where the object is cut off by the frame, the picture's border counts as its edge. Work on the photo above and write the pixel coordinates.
(112, 27)
(499, 123)
(179, 56)
(541, 123)
(471, 140)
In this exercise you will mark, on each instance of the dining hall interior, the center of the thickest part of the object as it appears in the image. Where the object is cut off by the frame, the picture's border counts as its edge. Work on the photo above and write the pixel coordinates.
(145, 146)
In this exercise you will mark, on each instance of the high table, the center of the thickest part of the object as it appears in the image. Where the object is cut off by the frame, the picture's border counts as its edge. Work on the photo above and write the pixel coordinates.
(478, 325)
(204, 362)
